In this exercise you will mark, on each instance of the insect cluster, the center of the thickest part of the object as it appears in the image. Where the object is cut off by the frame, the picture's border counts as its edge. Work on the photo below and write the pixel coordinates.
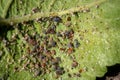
(41, 57)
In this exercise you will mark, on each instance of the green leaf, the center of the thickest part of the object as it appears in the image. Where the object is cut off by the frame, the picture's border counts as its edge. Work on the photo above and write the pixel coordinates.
(4, 6)
(95, 24)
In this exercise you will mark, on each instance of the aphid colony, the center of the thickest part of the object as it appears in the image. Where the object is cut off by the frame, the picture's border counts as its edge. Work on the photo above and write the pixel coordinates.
(41, 53)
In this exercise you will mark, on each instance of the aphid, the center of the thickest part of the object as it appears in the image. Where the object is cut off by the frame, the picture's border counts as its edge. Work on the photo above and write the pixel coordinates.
(69, 75)
(41, 56)
(60, 70)
(66, 34)
(51, 29)
(52, 43)
(81, 70)
(78, 75)
(54, 62)
(62, 49)
(44, 19)
(43, 65)
(48, 53)
(74, 64)
(69, 34)
(35, 10)
(76, 14)
(68, 18)
(70, 50)
(16, 69)
(76, 43)
(56, 19)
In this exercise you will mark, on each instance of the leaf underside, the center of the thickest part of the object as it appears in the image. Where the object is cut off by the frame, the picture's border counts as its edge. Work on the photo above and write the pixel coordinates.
(97, 31)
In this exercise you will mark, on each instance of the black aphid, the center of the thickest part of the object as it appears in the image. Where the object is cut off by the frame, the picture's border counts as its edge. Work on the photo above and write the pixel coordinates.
(51, 29)
(56, 19)
(52, 43)
(60, 70)
(74, 64)
(68, 34)
(42, 57)
(35, 10)
(76, 43)
(69, 75)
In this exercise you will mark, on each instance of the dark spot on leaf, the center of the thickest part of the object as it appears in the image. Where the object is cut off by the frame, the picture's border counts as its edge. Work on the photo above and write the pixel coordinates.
(56, 19)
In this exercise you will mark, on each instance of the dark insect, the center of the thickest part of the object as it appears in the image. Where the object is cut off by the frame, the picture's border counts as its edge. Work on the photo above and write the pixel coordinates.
(48, 53)
(76, 43)
(60, 70)
(43, 65)
(35, 10)
(69, 75)
(45, 19)
(52, 43)
(78, 75)
(74, 64)
(41, 56)
(51, 30)
(81, 70)
(70, 50)
(16, 69)
(69, 34)
(62, 49)
(76, 14)
(54, 62)
(68, 18)
(56, 19)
